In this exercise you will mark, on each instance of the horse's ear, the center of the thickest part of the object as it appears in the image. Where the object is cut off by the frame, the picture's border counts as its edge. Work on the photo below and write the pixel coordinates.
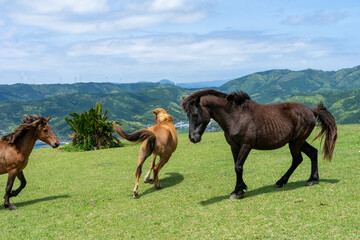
(167, 111)
(156, 111)
(48, 119)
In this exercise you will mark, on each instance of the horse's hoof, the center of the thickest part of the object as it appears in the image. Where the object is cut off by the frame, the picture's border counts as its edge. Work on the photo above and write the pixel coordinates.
(237, 196)
(136, 196)
(158, 186)
(13, 207)
(310, 183)
(149, 180)
(279, 184)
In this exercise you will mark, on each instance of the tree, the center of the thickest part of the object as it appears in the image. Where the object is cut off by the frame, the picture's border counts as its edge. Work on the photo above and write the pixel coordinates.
(91, 130)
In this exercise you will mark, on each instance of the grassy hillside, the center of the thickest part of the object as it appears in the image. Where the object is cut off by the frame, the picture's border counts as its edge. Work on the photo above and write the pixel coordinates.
(88, 195)
(344, 105)
(132, 103)
(32, 92)
(266, 86)
(134, 110)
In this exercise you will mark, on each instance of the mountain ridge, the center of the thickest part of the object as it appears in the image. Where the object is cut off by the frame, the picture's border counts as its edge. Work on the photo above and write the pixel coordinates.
(132, 103)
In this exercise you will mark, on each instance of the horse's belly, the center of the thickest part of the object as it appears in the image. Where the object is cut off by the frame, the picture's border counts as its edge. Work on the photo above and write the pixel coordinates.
(269, 146)
(3, 165)
(2, 170)
(269, 143)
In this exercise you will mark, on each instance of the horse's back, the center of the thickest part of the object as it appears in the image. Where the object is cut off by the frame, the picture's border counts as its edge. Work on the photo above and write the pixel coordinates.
(166, 136)
(279, 124)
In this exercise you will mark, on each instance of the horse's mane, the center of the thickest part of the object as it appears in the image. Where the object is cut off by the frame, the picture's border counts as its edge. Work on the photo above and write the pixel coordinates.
(237, 97)
(163, 117)
(28, 122)
(167, 118)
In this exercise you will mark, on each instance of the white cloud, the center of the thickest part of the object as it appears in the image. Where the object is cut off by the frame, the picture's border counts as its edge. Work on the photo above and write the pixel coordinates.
(55, 23)
(206, 50)
(56, 6)
(149, 20)
(63, 25)
(153, 37)
(168, 5)
(316, 18)
(92, 16)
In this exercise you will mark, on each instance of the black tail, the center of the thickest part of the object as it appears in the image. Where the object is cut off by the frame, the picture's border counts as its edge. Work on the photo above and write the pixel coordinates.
(138, 136)
(328, 129)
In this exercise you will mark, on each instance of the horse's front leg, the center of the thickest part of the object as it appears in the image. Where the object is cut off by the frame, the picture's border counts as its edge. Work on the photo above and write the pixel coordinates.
(240, 154)
(22, 179)
(9, 185)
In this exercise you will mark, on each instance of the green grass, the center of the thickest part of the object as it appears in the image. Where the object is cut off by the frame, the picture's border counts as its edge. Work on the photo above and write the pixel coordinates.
(88, 195)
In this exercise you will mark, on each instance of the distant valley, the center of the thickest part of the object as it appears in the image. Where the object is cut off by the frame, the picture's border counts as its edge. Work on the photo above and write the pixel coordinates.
(132, 103)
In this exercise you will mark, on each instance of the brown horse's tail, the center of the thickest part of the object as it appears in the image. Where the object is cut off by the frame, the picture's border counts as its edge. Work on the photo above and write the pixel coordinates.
(328, 129)
(138, 136)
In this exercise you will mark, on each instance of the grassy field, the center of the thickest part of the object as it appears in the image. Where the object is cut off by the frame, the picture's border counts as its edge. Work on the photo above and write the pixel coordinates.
(88, 195)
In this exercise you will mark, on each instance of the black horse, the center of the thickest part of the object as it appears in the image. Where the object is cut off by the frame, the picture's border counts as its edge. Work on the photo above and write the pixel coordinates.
(249, 125)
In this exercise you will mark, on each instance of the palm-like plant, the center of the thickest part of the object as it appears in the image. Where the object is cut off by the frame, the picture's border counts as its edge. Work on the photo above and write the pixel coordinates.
(91, 130)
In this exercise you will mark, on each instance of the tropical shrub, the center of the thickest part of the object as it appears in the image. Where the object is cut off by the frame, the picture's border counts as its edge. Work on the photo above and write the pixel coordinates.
(91, 130)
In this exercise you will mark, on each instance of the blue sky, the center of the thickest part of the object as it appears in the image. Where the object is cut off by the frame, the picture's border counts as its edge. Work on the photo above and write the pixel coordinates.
(67, 41)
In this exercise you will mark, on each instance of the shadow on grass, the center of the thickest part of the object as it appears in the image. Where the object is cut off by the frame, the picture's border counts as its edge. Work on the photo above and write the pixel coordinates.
(267, 189)
(44, 199)
(170, 181)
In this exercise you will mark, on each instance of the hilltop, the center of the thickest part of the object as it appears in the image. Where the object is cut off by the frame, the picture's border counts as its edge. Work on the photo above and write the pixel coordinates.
(132, 103)
(273, 85)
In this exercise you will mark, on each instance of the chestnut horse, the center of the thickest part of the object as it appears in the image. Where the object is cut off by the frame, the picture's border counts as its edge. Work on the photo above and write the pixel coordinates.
(160, 139)
(249, 125)
(16, 147)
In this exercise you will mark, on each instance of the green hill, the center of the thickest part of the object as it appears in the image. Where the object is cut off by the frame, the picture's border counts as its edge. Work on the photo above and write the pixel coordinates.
(132, 103)
(134, 110)
(31, 92)
(344, 105)
(267, 86)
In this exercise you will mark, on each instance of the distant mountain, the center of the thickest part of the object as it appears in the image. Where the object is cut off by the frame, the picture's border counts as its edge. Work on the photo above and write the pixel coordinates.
(344, 104)
(166, 81)
(132, 103)
(194, 85)
(205, 84)
(271, 85)
(30, 92)
(133, 110)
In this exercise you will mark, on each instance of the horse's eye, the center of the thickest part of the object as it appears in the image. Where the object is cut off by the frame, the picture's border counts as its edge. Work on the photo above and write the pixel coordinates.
(45, 130)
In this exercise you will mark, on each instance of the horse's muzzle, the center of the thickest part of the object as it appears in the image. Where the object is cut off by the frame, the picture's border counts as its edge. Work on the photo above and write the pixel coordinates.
(195, 139)
(55, 145)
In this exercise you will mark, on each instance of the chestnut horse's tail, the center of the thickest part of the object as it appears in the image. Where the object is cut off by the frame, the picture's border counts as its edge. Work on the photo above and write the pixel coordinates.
(138, 136)
(328, 129)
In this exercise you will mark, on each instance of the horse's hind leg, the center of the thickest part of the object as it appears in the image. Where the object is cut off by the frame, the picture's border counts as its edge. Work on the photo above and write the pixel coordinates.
(147, 178)
(296, 160)
(312, 153)
(22, 179)
(145, 152)
(161, 163)
(9, 185)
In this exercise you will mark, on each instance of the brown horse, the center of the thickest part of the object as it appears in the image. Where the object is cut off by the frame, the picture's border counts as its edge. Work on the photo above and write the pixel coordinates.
(160, 139)
(249, 125)
(16, 147)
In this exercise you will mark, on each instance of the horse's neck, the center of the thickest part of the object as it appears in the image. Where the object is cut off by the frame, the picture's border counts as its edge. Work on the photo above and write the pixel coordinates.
(26, 142)
(218, 109)
(223, 112)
